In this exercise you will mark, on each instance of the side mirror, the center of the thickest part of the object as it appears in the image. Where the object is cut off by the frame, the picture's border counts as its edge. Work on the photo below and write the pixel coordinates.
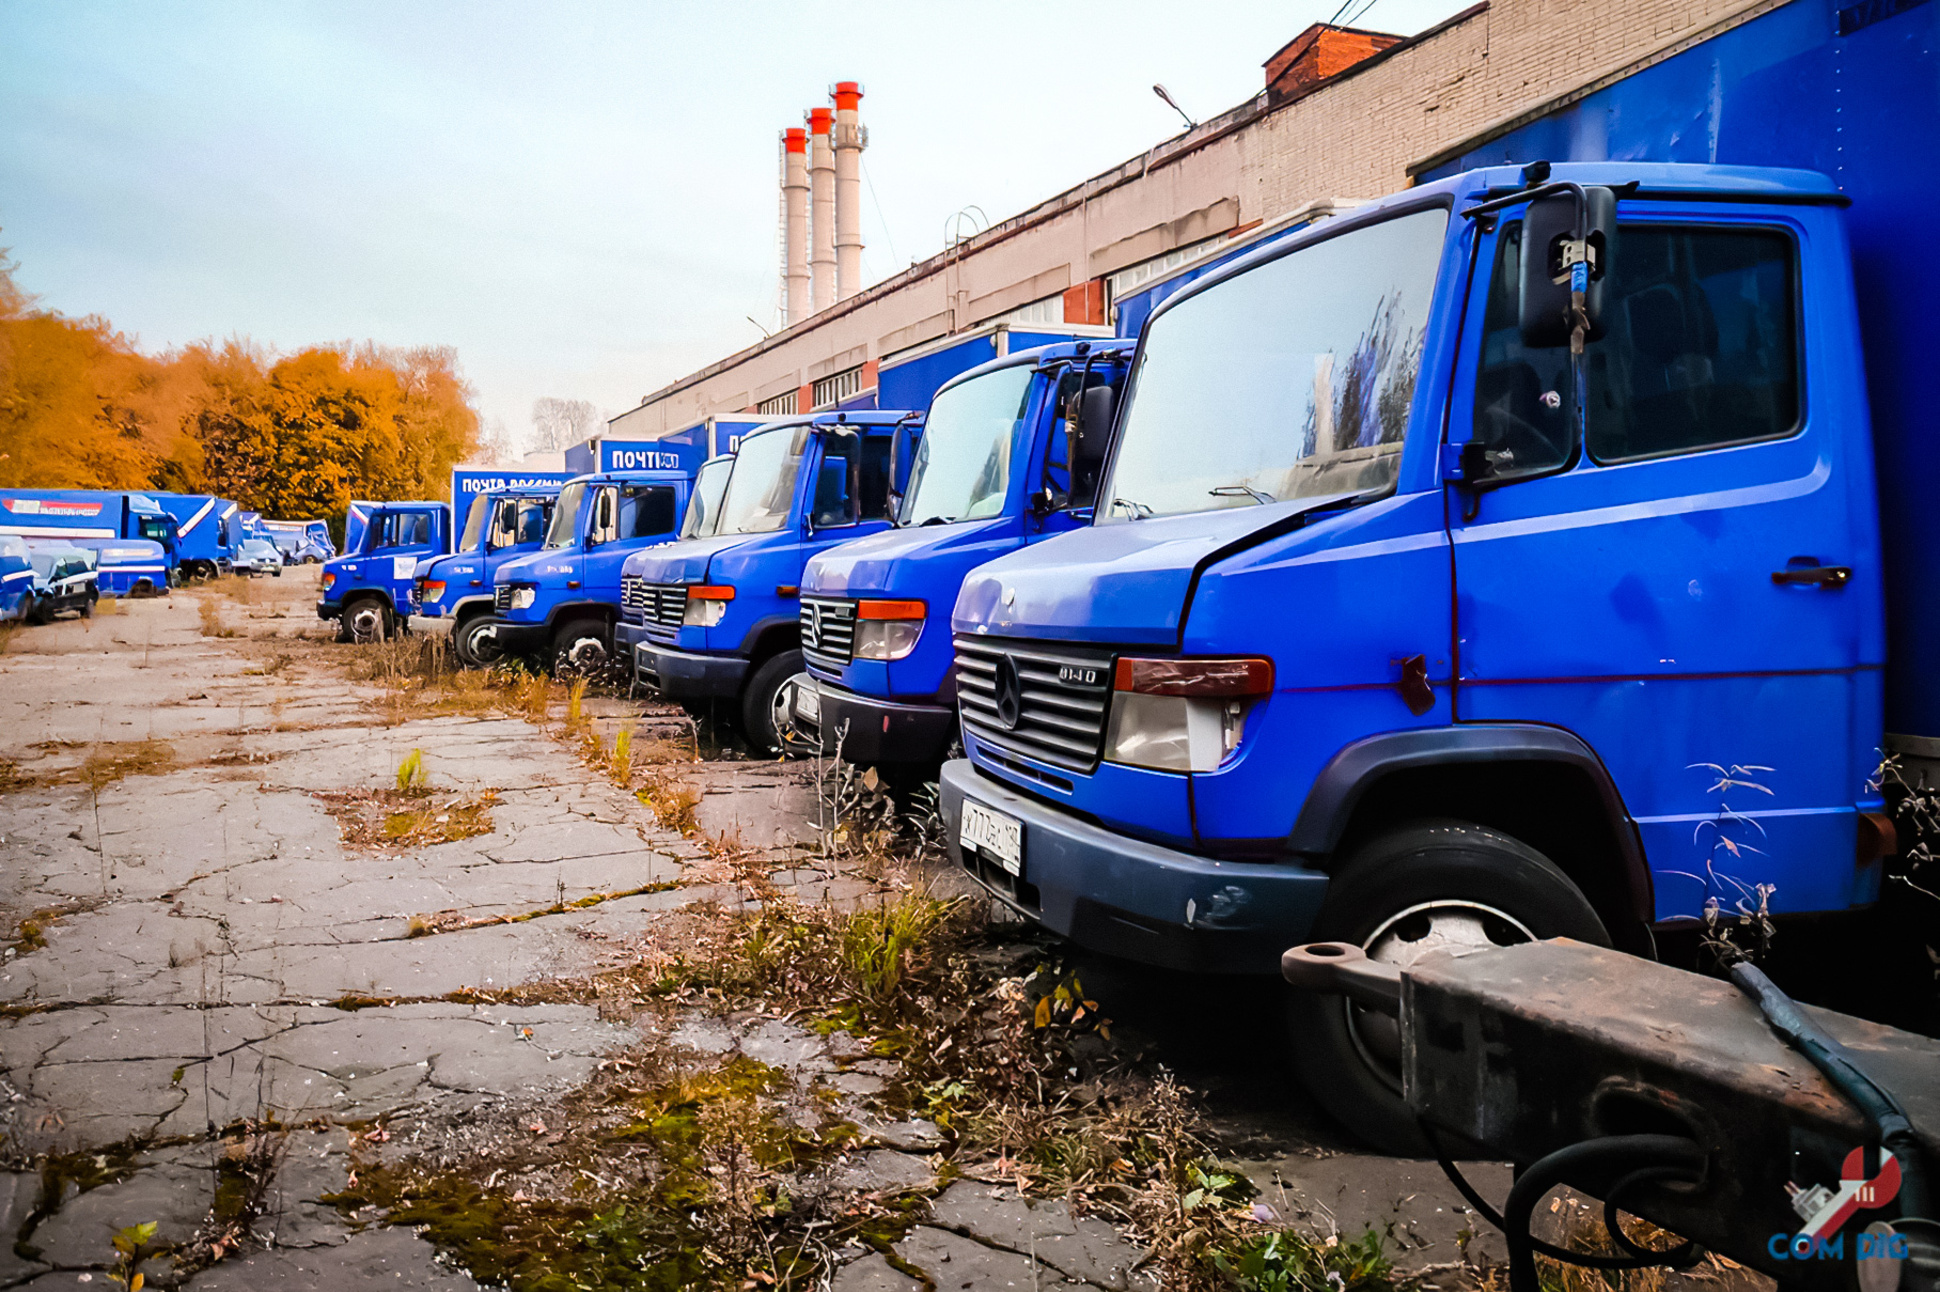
(1090, 440)
(1550, 259)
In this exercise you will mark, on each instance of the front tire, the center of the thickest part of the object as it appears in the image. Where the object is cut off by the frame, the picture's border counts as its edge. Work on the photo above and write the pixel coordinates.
(1429, 885)
(474, 643)
(366, 620)
(764, 703)
(582, 648)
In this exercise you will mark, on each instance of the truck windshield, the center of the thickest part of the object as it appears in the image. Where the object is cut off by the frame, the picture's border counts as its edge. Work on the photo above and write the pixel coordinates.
(962, 465)
(1290, 380)
(474, 523)
(704, 506)
(761, 491)
(564, 531)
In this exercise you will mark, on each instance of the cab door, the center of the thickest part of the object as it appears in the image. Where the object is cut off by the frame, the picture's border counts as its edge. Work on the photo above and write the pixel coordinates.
(626, 518)
(1692, 585)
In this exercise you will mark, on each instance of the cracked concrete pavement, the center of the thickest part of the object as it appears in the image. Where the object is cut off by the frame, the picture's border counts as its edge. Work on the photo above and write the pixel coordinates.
(201, 950)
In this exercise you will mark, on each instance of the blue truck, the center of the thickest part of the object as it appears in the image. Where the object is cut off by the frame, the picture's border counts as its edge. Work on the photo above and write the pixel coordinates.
(1532, 578)
(16, 579)
(134, 535)
(560, 603)
(207, 532)
(712, 619)
(356, 521)
(990, 475)
(501, 524)
(369, 590)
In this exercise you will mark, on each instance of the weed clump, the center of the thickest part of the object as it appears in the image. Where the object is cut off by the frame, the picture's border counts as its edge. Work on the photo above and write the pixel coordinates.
(212, 625)
(412, 778)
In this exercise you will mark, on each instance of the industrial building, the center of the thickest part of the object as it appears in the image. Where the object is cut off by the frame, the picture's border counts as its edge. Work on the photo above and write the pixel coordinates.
(1343, 115)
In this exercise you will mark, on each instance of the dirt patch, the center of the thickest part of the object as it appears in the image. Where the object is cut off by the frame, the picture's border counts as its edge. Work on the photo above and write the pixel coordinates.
(397, 820)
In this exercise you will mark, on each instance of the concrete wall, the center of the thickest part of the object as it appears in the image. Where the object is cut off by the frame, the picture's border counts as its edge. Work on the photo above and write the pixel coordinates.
(1354, 135)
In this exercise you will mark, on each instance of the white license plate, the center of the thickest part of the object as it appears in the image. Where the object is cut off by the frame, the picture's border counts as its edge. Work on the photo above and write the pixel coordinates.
(999, 837)
(808, 703)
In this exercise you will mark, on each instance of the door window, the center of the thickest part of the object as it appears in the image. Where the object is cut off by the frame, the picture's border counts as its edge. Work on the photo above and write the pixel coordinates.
(1700, 351)
(646, 510)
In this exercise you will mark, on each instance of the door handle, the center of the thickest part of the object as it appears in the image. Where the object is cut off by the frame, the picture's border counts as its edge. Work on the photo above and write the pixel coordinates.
(1826, 576)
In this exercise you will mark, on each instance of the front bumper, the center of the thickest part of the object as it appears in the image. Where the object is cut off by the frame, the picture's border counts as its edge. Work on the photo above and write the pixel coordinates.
(330, 610)
(679, 675)
(520, 639)
(1138, 900)
(873, 730)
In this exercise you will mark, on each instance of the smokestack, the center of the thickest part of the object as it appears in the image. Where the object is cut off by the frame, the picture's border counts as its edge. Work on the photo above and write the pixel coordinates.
(821, 185)
(794, 196)
(850, 139)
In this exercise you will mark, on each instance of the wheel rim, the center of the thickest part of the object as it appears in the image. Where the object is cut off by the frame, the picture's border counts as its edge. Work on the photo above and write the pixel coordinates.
(367, 624)
(781, 713)
(480, 645)
(587, 655)
(1450, 924)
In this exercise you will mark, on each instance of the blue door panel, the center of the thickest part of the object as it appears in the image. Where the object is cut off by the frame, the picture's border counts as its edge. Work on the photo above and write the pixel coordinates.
(1798, 829)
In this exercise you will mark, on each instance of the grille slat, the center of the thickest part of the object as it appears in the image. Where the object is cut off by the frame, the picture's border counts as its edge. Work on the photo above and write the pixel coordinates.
(502, 598)
(662, 607)
(1061, 719)
(828, 631)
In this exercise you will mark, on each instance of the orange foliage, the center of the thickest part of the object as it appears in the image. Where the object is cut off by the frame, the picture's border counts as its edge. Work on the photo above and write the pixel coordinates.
(298, 436)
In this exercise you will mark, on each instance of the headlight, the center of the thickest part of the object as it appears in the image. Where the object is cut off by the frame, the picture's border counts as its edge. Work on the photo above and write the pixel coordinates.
(523, 595)
(329, 580)
(887, 629)
(707, 604)
(430, 589)
(1182, 715)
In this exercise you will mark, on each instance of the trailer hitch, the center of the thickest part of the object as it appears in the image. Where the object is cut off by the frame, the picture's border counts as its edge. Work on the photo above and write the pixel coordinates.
(1672, 1098)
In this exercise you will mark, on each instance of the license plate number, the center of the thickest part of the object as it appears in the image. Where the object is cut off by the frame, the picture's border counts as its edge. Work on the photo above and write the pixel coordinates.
(808, 703)
(999, 837)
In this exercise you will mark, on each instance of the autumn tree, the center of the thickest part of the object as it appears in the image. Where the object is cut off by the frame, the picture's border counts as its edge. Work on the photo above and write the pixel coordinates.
(298, 437)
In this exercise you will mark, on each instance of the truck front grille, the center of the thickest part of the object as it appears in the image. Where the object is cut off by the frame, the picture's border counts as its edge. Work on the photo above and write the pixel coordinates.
(828, 631)
(633, 598)
(502, 598)
(1056, 696)
(663, 607)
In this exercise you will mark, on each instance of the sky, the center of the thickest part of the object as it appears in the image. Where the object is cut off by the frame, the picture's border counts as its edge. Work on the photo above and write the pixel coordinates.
(580, 197)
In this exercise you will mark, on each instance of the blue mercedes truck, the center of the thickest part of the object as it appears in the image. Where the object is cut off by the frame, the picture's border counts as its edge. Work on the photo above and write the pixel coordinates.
(369, 590)
(501, 524)
(1539, 551)
(991, 474)
(716, 619)
(206, 532)
(560, 603)
(134, 535)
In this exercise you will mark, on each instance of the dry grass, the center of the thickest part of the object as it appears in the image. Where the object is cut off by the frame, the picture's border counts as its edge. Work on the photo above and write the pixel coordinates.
(212, 625)
(107, 605)
(671, 799)
(112, 760)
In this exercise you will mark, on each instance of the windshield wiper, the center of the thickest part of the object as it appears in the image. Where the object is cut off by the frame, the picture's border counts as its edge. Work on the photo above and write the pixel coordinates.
(1136, 510)
(1259, 496)
(938, 520)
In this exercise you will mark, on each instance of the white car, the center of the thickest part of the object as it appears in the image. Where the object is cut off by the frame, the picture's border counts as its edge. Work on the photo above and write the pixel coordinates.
(258, 556)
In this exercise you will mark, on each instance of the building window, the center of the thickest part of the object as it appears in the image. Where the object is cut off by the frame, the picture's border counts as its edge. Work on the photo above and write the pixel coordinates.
(835, 389)
(1050, 311)
(1136, 276)
(778, 405)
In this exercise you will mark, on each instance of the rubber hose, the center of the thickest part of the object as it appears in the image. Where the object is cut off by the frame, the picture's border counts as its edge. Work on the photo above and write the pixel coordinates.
(1595, 1162)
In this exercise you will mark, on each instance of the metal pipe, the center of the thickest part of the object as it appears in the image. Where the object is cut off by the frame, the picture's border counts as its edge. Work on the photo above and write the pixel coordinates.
(849, 139)
(794, 192)
(821, 185)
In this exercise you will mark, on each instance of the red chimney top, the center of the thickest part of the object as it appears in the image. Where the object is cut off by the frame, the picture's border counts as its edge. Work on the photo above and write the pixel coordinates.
(795, 139)
(847, 95)
(820, 120)
(1317, 55)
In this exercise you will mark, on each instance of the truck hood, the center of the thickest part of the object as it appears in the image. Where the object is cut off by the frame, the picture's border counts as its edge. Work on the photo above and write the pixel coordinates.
(907, 562)
(682, 562)
(1121, 584)
(538, 567)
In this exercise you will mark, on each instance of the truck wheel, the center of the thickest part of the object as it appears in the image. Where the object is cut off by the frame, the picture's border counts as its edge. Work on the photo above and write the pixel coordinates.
(366, 620)
(582, 648)
(474, 644)
(87, 607)
(765, 713)
(1426, 886)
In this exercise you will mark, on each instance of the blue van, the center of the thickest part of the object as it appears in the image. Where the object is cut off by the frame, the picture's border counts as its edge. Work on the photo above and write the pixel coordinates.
(500, 525)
